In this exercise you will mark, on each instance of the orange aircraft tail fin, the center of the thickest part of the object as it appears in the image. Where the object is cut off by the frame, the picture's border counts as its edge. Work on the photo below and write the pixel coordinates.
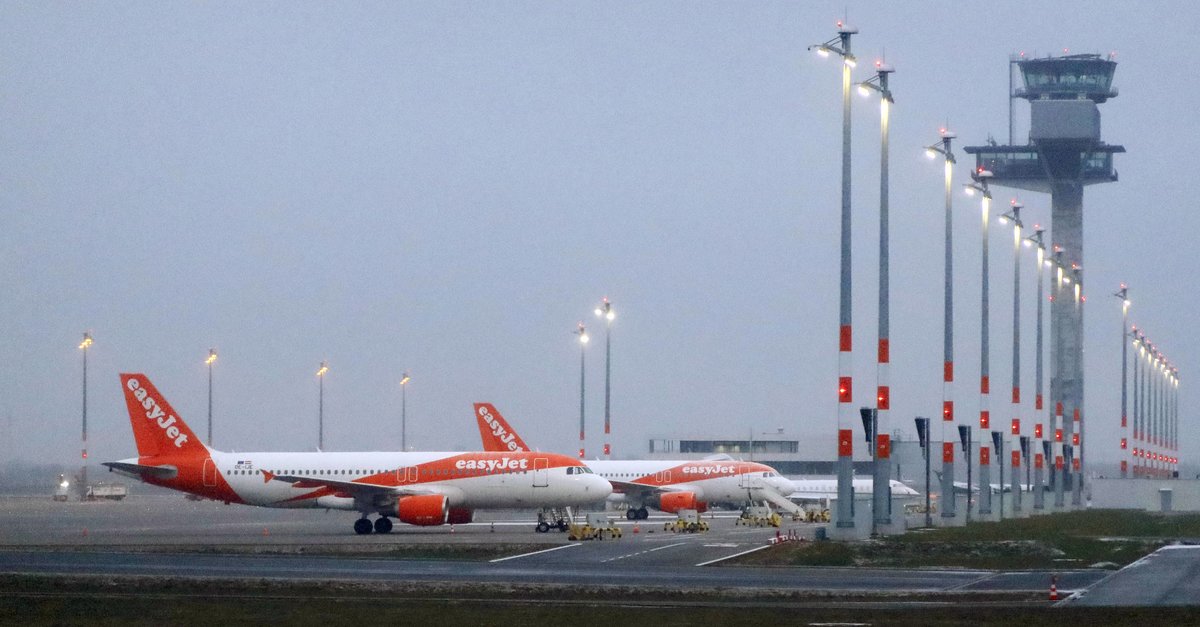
(157, 429)
(494, 430)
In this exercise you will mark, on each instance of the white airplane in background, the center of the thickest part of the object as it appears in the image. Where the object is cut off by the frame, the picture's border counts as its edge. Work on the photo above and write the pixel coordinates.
(669, 485)
(960, 487)
(826, 489)
(416, 488)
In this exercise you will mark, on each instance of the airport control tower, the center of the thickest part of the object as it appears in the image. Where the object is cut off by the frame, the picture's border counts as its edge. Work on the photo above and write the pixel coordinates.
(1064, 154)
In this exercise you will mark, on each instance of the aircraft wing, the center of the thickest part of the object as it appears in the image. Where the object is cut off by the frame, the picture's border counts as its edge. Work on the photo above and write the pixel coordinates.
(643, 491)
(143, 470)
(352, 488)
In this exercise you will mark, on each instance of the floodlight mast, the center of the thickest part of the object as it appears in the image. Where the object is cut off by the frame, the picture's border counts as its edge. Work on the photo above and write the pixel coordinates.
(840, 45)
(881, 495)
(980, 184)
(947, 478)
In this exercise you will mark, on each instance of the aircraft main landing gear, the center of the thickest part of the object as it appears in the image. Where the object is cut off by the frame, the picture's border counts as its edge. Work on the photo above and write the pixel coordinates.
(637, 514)
(383, 525)
(362, 526)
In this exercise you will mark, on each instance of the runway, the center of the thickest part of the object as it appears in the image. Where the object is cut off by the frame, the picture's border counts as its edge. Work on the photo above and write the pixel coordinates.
(1168, 576)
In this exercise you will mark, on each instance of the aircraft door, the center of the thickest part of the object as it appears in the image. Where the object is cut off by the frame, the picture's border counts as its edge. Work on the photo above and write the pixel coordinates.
(408, 474)
(541, 473)
(210, 473)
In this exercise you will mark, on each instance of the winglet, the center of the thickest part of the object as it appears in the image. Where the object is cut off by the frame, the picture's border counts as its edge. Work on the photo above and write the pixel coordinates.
(496, 433)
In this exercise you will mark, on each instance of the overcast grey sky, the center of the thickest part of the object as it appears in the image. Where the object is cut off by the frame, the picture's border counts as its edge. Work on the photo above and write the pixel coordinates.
(450, 187)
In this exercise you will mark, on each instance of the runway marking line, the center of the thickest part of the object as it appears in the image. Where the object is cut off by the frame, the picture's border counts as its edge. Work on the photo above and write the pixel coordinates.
(727, 557)
(513, 557)
(975, 581)
(621, 557)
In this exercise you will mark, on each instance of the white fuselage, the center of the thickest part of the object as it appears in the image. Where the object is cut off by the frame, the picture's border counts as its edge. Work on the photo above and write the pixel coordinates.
(470, 480)
(712, 482)
(827, 488)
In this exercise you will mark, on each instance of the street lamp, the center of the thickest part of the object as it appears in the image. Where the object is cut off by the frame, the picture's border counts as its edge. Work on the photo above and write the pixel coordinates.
(1078, 441)
(605, 312)
(321, 405)
(1014, 216)
(1123, 294)
(840, 45)
(1037, 239)
(581, 331)
(404, 379)
(980, 185)
(881, 494)
(932, 151)
(1139, 394)
(83, 346)
(212, 357)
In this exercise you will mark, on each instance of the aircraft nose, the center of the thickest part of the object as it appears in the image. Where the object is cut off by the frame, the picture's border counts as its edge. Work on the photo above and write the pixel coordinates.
(598, 487)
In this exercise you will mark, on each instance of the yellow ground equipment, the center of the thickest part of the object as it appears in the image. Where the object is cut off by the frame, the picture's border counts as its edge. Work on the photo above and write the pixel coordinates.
(759, 517)
(598, 526)
(689, 521)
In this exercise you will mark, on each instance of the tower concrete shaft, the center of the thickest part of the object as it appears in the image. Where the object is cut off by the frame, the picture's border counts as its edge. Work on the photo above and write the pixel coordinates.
(1064, 154)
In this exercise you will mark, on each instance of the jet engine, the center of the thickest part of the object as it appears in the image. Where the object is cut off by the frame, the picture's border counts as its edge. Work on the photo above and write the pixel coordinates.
(672, 502)
(426, 510)
(460, 516)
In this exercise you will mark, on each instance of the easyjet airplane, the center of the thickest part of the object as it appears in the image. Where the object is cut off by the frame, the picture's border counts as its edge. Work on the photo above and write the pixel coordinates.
(424, 489)
(669, 485)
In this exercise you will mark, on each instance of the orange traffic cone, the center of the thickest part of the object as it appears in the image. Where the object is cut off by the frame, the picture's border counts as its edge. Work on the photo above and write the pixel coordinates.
(85, 532)
(637, 528)
(265, 532)
(1054, 588)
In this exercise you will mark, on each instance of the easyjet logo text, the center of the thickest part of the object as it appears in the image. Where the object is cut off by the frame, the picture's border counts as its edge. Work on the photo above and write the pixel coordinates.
(503, 463)
(498, 430)
(709, 470)
(156, 414)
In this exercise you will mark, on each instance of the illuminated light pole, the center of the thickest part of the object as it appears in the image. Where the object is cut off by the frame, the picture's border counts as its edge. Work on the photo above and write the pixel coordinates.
(980, 185)
(583, 340)
(321, 405)
(1138, 401)
(1175, 416)
(212, 358)
(1123, 294)
(1147, 417)
(840, 45)
(948, 504)
(1039, 460)
(1158, 418)
(1061, 469)
(881, 495)
(1014, 216)
(83, 480)
(1078, 460)
(606, 312)
(404, 379)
